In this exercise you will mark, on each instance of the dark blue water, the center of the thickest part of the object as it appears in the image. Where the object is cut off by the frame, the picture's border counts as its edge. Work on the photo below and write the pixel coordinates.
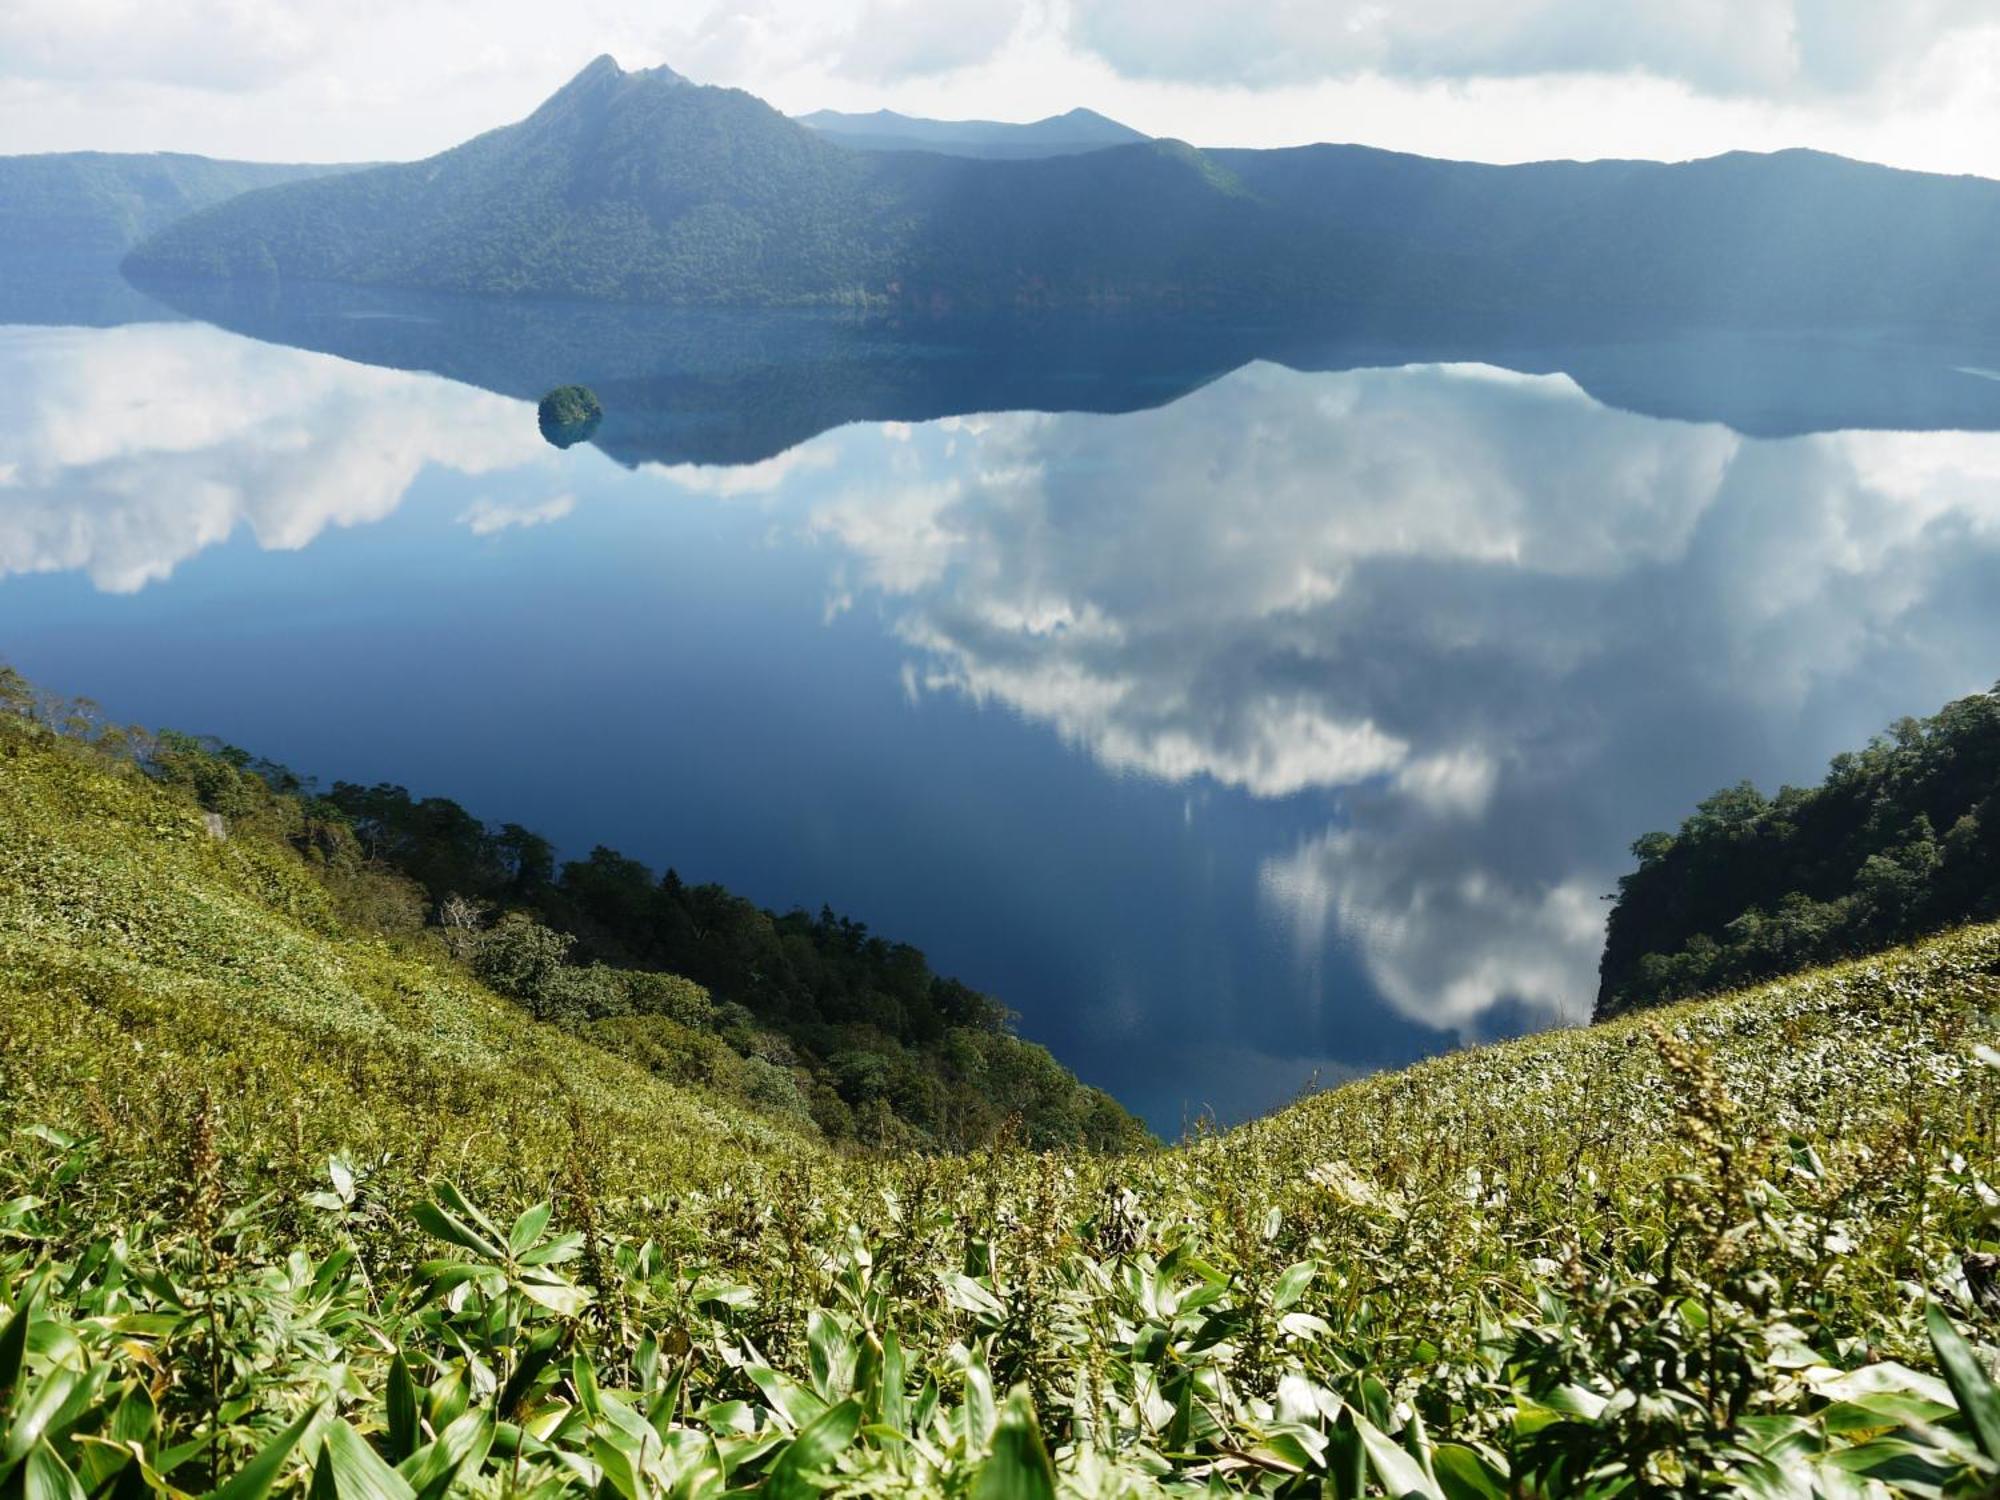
(1249, 722)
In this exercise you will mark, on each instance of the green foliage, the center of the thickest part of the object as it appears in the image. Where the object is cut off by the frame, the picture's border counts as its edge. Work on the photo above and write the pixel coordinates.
(570, 406)
(892, 1053)
(292, 1209)
(569, 414)
(1753, 887)
(601, 939)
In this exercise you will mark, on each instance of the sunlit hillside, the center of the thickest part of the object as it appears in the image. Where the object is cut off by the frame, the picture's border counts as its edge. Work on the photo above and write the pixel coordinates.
(290, 1203)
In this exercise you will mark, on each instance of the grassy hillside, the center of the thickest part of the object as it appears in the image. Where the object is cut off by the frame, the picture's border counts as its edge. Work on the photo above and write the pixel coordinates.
(286, 1208)
(144, 963)
(813, 1023)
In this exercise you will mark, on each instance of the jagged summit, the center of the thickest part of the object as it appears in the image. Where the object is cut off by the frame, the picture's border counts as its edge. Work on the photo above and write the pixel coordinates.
(602, 79)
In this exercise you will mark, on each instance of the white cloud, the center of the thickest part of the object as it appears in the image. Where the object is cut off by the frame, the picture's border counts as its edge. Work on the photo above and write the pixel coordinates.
(1495, 80)
(731, 482)
(893, 39)
(484, 517)
(1442, 945)
(133, 449)
(1762, 48)
(1499, 628)
(203, 44)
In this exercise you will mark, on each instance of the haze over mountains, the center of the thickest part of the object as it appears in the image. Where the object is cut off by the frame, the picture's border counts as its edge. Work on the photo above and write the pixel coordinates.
(100, 204)
(1068, 134)
(68, 218)
(644, 187)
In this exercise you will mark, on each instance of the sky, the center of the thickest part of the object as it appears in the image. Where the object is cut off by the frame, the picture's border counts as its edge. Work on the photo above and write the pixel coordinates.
(1907, 82)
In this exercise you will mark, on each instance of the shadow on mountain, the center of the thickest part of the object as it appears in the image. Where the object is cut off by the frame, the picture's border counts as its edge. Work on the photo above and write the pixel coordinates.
(729, 386)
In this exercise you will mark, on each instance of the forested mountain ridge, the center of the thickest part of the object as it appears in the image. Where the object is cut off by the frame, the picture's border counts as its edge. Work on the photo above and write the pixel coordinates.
(1901, 839)
(1067, 134)
(644, 187)
(100, 204)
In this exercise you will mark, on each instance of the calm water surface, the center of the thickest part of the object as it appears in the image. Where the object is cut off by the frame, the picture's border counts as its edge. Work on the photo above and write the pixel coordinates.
(1241, 722)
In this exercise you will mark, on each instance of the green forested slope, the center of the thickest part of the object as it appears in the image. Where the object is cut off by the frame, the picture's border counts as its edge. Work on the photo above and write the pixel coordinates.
(1901, 838)
(145, 963)
(814, 1024)
(98, 204)
(302, 1206)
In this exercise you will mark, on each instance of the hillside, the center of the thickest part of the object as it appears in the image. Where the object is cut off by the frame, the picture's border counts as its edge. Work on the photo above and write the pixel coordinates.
(813, 1024)
(145, 964)
(645, 187)
(1067, 134)
(1902, 838)
(99, 204)
(305, 1210)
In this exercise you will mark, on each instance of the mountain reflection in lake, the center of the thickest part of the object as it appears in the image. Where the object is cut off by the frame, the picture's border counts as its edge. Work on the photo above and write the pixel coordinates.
(1258, 721)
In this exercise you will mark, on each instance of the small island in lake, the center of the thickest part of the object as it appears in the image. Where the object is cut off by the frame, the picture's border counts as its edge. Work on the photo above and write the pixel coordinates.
(569, 414)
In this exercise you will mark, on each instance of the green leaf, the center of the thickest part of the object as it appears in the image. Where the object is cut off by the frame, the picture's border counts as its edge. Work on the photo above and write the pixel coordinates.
(254, 1480)
(967, 1295)
(536, 1358)
(977, 1415)
(46, 1477)
(1019, 1466)
(1969, 1383)
(1293, 1283)
(583, 1379)
(563, 1298)
(895, 1402)
(1400, 1475)
(794, 1476)
(14, 1342)
(405, 1429)
(1463, 1475)
(46, 1408)
(724, 1294)
(355, 1471)
(444, 1226)
(528, 1228)
(460, 1448)
(793, 1403)
(831, 1354)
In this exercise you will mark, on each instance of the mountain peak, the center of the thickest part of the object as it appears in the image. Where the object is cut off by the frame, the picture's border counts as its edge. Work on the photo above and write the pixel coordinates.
(602, 77)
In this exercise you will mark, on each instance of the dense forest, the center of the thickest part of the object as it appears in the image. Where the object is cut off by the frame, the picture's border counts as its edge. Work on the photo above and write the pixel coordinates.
(813, 1018)
(1902, 838)
(884, 1045)
(645, 187)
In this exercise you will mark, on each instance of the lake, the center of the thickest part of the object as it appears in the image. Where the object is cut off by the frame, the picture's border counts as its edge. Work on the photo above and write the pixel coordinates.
(1242, 706)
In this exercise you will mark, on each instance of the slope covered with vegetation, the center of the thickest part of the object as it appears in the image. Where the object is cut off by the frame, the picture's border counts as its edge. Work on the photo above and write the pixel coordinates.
(812, 1022)
(645, 187)
(1901, 838)
(98, 205)
(288, 1206)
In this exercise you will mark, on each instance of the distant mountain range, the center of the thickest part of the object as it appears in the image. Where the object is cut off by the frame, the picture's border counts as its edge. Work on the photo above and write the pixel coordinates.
(100, 204)
(68, 218)
(1060, 135)
(643, 187)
